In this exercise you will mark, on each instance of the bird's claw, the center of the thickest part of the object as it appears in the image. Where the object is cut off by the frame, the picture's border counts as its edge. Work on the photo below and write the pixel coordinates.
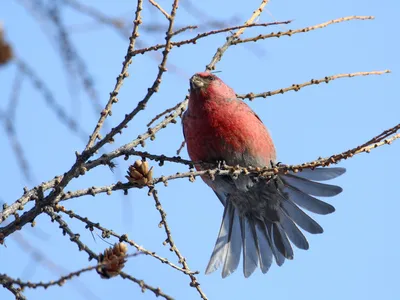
(275, 176)
(221, 164)
(273, 164)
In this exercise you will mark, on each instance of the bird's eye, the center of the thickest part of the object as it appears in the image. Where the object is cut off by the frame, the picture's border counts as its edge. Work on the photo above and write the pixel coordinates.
(210, 77)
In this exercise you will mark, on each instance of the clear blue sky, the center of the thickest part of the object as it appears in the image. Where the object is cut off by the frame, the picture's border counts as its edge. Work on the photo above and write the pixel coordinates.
(357, 257)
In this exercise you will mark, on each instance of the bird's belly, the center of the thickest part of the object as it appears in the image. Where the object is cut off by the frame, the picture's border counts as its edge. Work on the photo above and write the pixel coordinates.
(210, 145)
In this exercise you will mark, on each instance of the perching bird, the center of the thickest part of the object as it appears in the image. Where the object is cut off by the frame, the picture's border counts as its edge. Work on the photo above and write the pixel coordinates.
(260, 216)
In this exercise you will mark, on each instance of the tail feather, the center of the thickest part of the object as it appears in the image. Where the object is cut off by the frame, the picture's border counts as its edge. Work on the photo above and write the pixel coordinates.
(293, 232)
(300, 217)
(279, 258)
(234, 244)
(265, 251)
(311, 187)
(308, 202)
(218, 254)
(250, 248)
(281, 241)
(320, 174)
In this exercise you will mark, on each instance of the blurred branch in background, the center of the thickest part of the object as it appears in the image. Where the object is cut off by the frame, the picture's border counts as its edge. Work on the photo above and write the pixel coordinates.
(49, 18)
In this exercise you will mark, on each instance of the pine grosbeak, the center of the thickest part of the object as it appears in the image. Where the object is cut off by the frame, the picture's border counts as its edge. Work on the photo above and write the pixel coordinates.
(260, 216)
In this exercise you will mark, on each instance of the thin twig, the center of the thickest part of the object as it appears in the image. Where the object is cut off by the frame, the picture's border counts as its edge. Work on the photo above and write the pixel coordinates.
(253, 17)
(122, 238)
(144, 286)
(120, 79)
(229, 41)
(75, 238)
(60, 281)
(178, 151)
(7, 283)
(183, 29)
(106, 158)
(150, 133)
(41, 257)
(170, 241)
(167, 111)
(297, 87)
(6, 280)
(158, 6)
(26, 197)
(204, 35)
(302, 30)
(66, 230)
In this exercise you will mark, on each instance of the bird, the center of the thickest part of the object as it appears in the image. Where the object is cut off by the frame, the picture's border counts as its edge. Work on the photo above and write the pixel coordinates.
(262, 217)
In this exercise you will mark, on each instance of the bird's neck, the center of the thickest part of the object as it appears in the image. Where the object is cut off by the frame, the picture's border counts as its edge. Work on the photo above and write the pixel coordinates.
(203, 102)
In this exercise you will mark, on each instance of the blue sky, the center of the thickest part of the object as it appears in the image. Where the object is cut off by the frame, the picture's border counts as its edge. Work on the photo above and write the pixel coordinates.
(356, 257)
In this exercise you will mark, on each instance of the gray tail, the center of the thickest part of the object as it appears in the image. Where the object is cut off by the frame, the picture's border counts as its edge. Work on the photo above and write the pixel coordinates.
(263, 240)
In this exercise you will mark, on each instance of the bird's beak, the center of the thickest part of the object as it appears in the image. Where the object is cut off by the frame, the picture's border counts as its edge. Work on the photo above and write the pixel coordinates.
(196, 82)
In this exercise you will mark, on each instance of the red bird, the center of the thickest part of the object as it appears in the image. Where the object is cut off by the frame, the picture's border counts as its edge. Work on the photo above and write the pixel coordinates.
(260, 216)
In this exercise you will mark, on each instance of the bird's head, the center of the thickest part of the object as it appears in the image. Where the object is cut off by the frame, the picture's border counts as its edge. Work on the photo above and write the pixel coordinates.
(207, 86)
(202, 81)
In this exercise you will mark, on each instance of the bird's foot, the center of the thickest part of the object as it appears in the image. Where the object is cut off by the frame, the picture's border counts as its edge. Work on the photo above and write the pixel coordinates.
(274, 164)
(221, 164)
(274, 178)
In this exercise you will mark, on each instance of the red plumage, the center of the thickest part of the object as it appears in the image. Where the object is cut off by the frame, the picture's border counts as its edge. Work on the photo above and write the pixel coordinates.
(218, 124)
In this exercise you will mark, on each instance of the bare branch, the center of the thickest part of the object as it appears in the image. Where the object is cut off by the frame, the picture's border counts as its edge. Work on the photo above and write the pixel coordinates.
(158, 6)
(120, 79)
(7, 283)
(254, 16)
(106, 233)
(183, 29)
(144, 286)
(302, 30)
(66, 230)
(167, 111)
(194, 283)
(229, 41)
(297, 87)
(60, 281)
(28, 195)
(204, 35)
